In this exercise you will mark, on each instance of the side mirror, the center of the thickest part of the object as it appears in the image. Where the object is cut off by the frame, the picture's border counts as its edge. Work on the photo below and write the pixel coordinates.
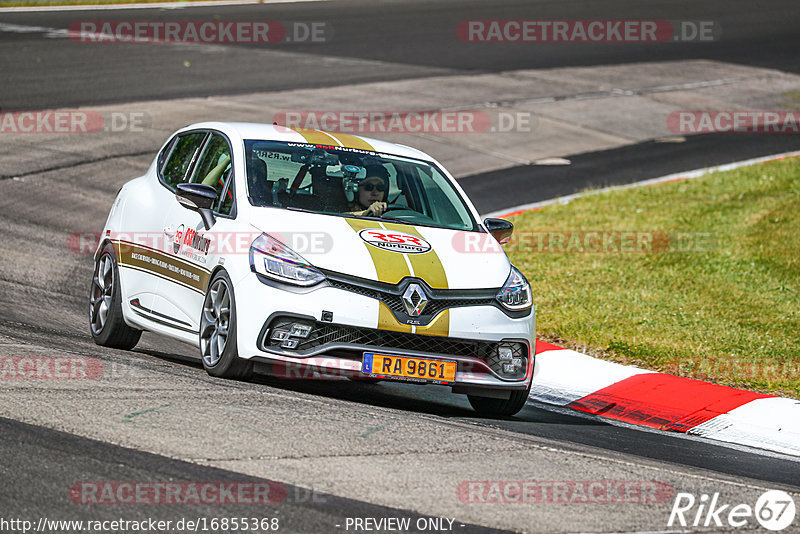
(199, 198)
(500, 229)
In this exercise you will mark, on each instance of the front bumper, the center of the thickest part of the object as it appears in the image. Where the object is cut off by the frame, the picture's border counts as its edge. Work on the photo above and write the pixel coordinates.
(351, 327)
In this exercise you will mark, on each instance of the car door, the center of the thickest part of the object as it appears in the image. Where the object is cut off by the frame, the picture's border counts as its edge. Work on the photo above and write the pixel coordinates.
(194, 253)
(140, 246)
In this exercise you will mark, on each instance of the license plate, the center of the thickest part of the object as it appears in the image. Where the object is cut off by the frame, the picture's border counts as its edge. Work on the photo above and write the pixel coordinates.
(408, 367)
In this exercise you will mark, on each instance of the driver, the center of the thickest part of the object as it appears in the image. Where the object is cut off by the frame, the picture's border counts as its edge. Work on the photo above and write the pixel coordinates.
(373, 192)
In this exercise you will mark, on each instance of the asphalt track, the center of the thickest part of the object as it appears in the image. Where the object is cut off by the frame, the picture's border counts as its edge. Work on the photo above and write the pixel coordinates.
(43, 305)
(39, 486)
(524, 184)
(366, 41)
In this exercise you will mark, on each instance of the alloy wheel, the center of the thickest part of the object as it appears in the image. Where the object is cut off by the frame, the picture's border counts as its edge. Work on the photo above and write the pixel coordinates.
(214, 322)
(102, 293)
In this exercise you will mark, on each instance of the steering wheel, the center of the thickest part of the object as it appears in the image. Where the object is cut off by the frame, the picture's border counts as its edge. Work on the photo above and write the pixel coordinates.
(395, 207)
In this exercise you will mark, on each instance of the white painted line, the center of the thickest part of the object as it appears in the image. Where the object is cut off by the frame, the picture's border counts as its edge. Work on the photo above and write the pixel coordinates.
(17, 28)
(687, 175)
(671, 139)
(552, 161)
(154, 5)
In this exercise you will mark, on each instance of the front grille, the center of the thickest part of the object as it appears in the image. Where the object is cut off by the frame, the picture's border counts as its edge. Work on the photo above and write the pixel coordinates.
(437, 305)
(326, 334)
(394, 301)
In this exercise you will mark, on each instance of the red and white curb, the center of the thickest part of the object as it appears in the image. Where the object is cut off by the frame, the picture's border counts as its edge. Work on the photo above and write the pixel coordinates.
(569, 379)
(572, 380)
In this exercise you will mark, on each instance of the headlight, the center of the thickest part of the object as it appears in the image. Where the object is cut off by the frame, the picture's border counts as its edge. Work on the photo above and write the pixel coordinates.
(271, 258)
(516, 292)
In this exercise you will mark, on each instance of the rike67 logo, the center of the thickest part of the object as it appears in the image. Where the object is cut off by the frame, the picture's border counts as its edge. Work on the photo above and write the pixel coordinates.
(774, 510)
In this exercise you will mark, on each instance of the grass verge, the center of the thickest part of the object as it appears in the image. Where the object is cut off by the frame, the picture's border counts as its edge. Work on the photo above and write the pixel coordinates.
(698, 278)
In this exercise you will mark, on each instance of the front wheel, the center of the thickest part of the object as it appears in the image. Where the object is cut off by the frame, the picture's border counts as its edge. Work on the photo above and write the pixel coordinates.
(490, 407)
(106, 323)
(218, 332)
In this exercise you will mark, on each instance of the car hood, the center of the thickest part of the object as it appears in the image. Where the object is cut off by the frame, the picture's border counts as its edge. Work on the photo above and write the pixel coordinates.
(388, 251)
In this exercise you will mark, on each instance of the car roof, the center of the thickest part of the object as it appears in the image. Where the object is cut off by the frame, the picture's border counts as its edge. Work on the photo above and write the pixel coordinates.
(276, 132)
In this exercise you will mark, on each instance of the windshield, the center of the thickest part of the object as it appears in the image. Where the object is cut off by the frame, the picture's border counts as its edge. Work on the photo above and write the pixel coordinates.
(343, 181)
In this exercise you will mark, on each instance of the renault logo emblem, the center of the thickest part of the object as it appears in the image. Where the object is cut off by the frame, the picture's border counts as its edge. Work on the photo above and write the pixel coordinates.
(414, 299)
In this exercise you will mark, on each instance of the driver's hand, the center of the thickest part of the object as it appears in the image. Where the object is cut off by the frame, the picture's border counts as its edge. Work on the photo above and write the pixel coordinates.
(377, 208)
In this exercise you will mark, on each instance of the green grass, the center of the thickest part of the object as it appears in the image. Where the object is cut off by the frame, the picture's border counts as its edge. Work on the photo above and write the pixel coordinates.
(793, 100)
(720, 304)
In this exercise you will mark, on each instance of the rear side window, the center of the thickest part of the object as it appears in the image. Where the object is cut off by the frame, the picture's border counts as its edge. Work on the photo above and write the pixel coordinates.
(184, 155)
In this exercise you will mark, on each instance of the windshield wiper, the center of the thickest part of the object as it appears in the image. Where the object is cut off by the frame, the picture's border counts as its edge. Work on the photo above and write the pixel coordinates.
(378, 218)
(292, 208)
(395, 219)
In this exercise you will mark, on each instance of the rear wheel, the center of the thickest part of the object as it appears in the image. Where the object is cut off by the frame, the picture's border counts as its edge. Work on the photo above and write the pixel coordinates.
(105, 305)
(218, 332)
(490, 407)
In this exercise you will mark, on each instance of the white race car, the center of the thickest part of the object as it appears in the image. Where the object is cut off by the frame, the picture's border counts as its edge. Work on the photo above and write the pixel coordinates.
(311, 254)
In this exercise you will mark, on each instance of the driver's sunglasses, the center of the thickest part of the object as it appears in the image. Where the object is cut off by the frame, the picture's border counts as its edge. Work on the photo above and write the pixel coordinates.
(369, 186)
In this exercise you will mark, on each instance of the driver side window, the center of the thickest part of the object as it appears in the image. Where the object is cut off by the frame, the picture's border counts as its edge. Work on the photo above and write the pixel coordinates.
(214, 169)
(182, 159)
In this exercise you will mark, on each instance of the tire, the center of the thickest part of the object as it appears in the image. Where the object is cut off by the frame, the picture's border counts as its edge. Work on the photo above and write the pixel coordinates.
(218, 349)
(106, 322)
(490, 407)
